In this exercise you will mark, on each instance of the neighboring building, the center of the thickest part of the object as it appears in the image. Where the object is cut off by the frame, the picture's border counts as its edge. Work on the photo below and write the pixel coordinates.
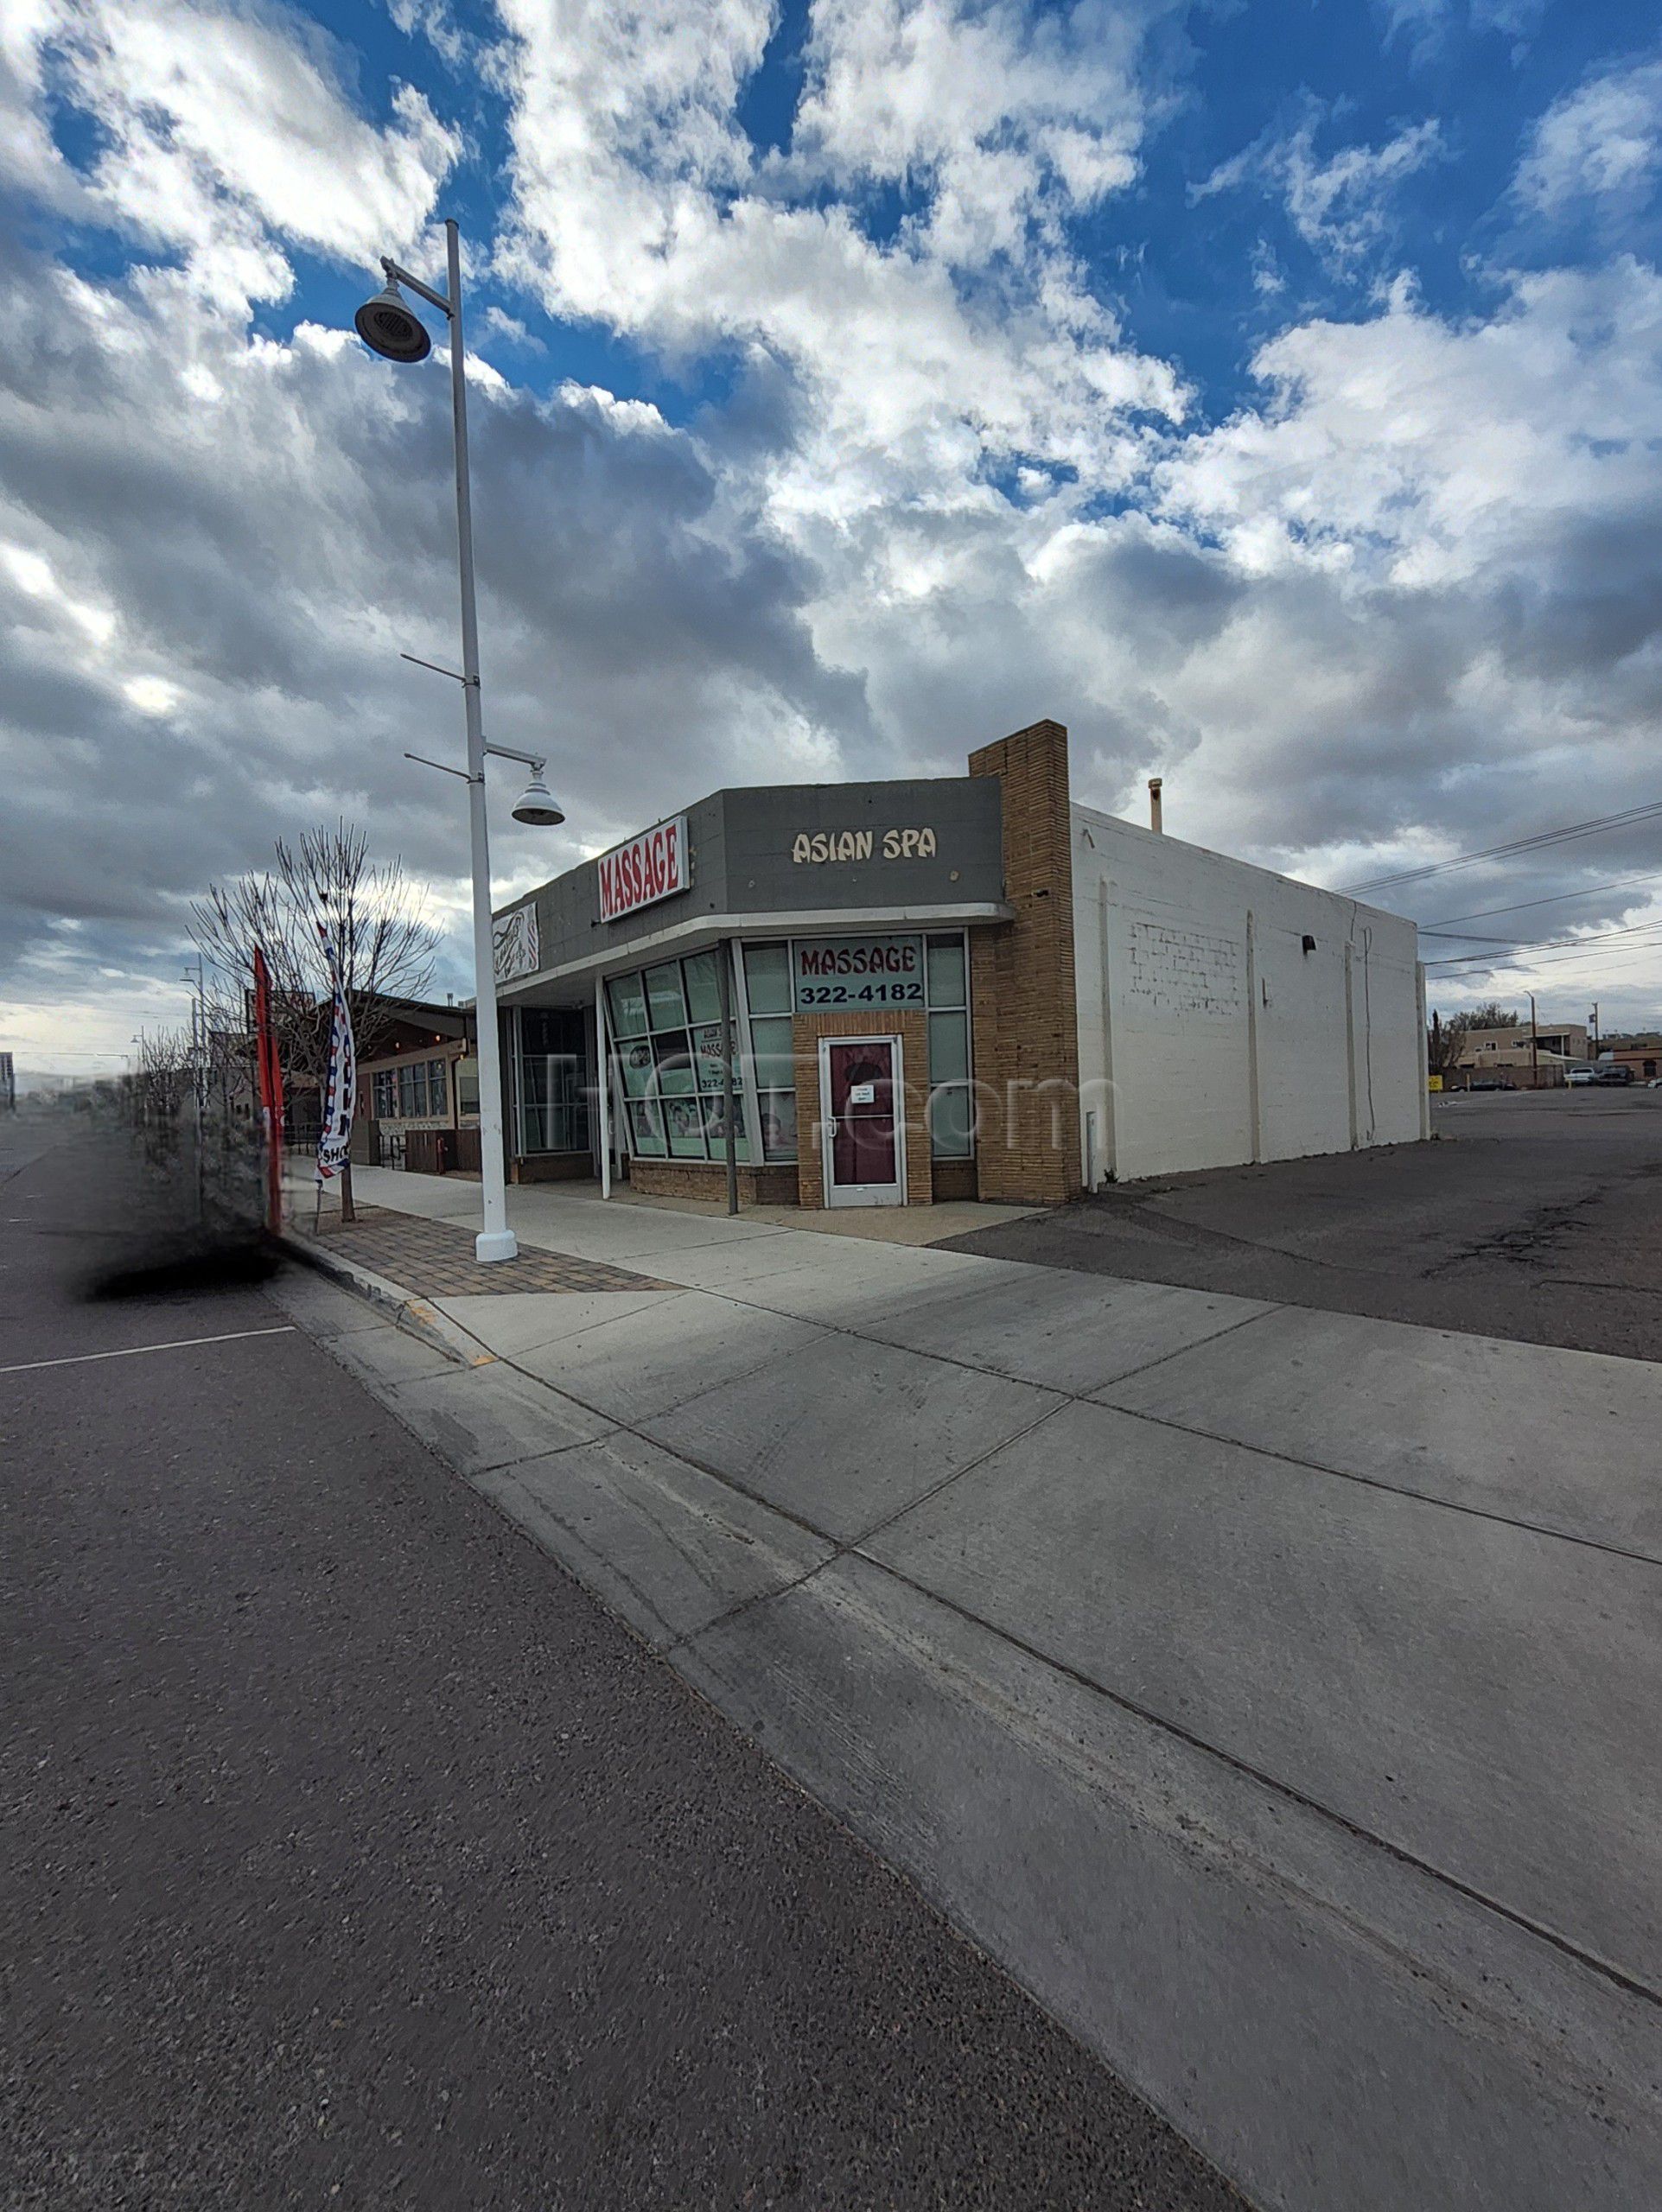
(1642, 1054)
(418, 1096)
(944, 988)
(1508, 1053)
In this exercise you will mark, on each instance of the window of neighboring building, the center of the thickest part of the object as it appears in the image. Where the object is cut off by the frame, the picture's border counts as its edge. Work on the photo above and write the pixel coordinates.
(415, 1090)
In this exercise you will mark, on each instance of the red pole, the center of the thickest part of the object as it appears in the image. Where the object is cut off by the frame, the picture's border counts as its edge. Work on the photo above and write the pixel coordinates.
(271, 1092)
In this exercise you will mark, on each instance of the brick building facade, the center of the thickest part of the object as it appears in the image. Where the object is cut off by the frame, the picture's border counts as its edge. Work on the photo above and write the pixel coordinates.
(858, 993)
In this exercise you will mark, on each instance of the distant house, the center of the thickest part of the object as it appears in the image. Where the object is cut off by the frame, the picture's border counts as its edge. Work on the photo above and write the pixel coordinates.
(1642, 1054)
(1529, 1061)
(418, 1097)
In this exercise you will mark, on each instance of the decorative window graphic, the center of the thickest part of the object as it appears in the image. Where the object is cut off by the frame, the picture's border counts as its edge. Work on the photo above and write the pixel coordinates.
(517, 944)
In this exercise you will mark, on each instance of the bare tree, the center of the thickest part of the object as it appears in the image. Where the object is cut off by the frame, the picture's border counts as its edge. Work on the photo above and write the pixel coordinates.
(1445, 1042)
(1493, 1015)
(375, 923)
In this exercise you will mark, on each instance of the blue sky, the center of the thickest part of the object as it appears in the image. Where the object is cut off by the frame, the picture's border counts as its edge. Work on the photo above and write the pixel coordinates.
(1272, 392)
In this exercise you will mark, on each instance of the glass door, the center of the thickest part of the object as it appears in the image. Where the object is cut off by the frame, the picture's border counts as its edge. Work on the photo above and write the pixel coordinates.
(861, 1092)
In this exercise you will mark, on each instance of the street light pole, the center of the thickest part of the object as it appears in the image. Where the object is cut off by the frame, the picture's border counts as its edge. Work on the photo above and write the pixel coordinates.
(495, 1240)
(387, 325)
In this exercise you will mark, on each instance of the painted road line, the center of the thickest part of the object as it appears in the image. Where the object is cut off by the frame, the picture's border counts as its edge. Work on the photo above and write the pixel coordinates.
(132, 1351)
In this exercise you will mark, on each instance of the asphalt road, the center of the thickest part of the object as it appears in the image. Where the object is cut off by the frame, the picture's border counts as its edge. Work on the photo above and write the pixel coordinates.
(1535, 1216)
(350, 1855)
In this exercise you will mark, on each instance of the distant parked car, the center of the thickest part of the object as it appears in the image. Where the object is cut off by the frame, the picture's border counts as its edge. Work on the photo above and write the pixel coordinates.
(1612, 1071)
(1492, 1082)
(1578, 1078)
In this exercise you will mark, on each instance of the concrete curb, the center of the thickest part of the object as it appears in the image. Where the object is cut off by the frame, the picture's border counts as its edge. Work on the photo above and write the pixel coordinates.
(403, 1308)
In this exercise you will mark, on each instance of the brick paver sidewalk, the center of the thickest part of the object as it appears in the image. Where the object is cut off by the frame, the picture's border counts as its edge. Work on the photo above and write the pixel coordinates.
(435, 1259)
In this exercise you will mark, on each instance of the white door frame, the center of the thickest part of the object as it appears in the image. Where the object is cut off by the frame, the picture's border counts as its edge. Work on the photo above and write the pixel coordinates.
(863, 1194)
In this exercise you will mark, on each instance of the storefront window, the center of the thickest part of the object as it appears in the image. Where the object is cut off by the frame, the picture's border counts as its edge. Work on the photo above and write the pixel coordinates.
(949, 1048)
(778, 1124)
(628, 1004)
(950, 1115)
(704, 987)
(949, 1123)
(666, 1004)
(674, 1077)
(467, 1086)
(647, 1128)
(553, 1080)
(767, 978)
(770, 1045)
(668, 1043)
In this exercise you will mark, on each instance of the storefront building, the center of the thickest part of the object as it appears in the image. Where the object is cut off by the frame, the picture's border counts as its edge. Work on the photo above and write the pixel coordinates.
(881, 979)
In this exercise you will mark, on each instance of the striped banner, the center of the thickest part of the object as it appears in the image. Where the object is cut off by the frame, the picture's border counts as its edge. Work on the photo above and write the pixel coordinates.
(341, 1090)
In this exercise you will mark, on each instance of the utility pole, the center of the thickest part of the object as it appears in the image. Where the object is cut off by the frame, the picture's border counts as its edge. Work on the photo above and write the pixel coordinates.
(1534, 1048)
(1596, 1029)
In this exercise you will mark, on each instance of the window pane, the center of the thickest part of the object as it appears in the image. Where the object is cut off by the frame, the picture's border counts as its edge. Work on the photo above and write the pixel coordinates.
(949, 1123)
(437, 1097)
(674, 1072)
(946, 974)
(684, 1123)
(707, 1045)
(704, 987)
(637, 1062)
(714, 1113)
(778, 1124)
(467, 1075)
(949, 1047)
(646, 1128)
(767, 978)
(770, 1045)
(628, 1001)
(666, 1006)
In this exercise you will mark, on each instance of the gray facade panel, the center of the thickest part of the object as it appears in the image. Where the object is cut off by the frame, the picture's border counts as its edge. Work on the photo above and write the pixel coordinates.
(751, 852)
(958, 816)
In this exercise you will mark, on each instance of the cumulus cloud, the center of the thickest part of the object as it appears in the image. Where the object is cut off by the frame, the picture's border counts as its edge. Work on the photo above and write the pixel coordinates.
(1402, 603)
(222, 132)
(1601, 143)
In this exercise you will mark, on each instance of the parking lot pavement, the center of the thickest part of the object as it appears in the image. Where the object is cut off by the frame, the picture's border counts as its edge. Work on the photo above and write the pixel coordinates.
(1532, 1214)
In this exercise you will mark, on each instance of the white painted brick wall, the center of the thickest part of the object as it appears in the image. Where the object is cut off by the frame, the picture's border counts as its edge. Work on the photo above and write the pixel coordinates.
(1175, 1021)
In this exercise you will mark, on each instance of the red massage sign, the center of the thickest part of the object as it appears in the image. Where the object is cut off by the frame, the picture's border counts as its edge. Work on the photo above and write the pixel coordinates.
(651, 866)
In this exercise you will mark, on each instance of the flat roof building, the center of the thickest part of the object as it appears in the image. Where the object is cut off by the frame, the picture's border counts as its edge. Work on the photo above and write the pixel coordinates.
(943, 986)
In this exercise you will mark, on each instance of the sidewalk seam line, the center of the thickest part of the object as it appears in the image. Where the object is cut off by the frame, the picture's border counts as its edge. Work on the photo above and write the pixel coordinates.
(1266, 1780)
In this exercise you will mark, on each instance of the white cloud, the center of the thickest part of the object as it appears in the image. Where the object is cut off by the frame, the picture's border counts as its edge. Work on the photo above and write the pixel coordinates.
(1411, 599)
(1602, 143)
(1339, 207)
(224, 129)
(972, 334)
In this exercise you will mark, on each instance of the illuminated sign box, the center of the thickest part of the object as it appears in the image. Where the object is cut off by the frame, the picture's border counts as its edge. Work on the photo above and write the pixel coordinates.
(648, 867)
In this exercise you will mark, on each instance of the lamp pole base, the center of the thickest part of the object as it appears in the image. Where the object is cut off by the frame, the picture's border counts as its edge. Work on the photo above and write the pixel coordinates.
(495, 1244)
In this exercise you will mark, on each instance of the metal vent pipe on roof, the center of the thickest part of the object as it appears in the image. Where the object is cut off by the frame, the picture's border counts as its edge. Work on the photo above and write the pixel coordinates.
(1154, 822)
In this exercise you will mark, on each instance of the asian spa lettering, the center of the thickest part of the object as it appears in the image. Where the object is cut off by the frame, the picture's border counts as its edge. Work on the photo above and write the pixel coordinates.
(821, 845)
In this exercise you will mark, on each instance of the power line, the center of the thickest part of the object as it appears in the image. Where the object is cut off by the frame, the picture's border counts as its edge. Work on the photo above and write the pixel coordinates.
(1557, 897)
(1651, 932)
(1645, 813)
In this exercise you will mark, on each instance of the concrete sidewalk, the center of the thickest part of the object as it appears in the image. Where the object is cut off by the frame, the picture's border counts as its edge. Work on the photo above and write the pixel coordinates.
(1275, 1693)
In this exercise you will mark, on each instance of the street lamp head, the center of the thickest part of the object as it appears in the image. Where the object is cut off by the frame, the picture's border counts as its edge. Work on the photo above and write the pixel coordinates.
(539, 806)
(387, 327)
